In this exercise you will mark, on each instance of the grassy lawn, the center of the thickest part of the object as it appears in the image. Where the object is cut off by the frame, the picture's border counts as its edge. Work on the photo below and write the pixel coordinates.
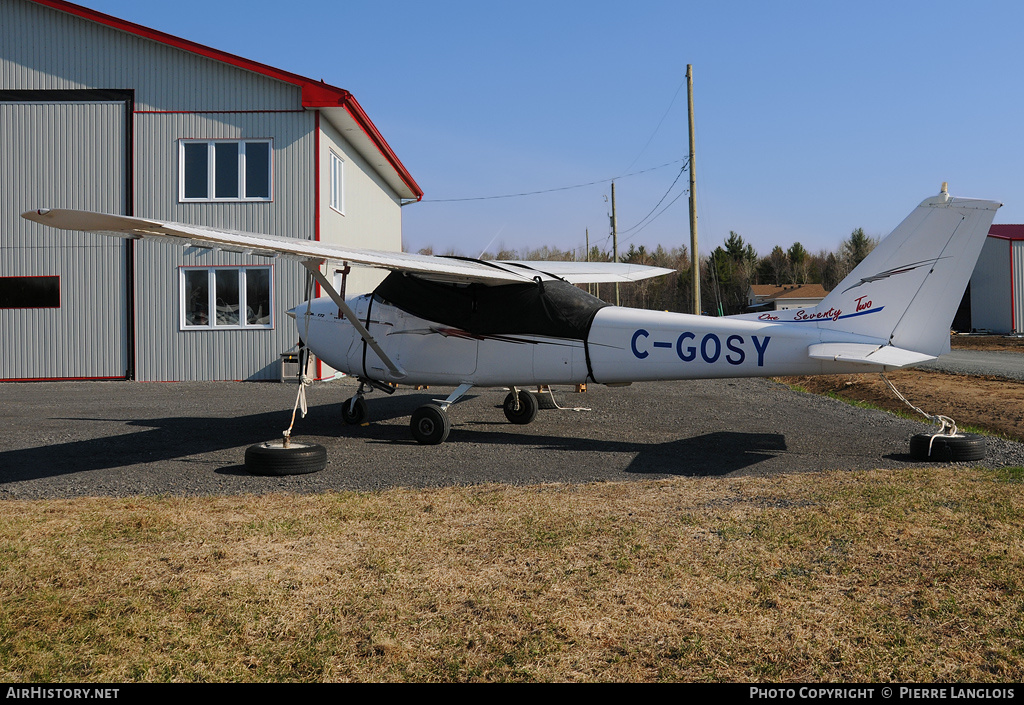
(910, 575)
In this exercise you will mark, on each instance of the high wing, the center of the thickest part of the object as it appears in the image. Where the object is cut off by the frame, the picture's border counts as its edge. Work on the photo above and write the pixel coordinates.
(588, 272)
(449, 269)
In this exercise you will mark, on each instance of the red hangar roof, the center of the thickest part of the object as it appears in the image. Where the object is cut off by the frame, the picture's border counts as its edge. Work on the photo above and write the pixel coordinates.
(338, 105)
(1007, 232)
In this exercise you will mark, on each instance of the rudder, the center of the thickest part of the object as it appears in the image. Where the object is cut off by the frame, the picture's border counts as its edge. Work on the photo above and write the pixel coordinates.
(907, 290)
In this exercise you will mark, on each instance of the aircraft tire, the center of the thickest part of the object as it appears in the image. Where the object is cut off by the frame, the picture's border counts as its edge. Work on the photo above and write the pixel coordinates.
(527, 411)
(356, 416)
(948, 449)
(430, 425)
(272, 458)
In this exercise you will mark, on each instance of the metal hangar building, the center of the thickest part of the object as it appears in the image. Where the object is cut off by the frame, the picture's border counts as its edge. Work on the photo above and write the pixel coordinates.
(997, 285)
(102, 114)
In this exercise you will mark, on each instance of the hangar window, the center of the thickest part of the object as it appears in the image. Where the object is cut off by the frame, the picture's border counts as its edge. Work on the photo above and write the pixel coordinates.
(224, 170)
(337, 183)
(29, 292)
(238, 297)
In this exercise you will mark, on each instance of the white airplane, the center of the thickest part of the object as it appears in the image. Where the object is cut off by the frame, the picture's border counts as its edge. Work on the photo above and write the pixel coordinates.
(468, 323)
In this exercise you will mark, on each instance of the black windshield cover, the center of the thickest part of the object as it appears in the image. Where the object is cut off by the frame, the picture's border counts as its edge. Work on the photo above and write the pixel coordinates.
(552, 308)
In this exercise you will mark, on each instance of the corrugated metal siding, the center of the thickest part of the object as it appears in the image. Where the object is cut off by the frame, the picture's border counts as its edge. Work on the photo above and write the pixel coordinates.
(44, 49)
(181, 95)
(990, 295)
(164, 351)
(63, 155)
(1017, 252)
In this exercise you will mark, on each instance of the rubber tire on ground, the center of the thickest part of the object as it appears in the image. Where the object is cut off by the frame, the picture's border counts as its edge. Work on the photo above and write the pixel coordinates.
(948, 449)
(272, 458)
(527, 407)
(354, 416)
(430, 425)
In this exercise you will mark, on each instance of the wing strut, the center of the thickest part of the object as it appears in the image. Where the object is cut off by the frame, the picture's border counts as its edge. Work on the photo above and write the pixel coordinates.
(314, 268)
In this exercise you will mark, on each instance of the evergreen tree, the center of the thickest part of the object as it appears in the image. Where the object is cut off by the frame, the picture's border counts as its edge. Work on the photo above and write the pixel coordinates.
(857, 247)
(774, 268)
(799, 262)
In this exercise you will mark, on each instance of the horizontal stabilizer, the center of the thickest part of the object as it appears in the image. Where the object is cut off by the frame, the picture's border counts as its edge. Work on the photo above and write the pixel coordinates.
(868, 354)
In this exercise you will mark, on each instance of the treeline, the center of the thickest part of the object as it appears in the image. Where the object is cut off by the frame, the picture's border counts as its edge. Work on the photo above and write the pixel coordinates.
(726, 274)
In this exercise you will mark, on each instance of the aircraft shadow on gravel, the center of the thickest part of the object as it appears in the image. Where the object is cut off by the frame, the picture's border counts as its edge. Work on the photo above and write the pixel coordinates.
(171, 438)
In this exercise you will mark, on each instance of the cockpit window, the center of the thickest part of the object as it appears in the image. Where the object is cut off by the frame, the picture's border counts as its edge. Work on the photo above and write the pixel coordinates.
(552, 308)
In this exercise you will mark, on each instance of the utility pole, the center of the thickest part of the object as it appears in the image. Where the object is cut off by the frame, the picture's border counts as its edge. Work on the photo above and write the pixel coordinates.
(615, 240)
(694, 258)
(587, 239)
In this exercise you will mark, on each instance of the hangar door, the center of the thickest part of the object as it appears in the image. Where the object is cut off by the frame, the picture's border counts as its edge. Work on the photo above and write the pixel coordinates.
(64, 297)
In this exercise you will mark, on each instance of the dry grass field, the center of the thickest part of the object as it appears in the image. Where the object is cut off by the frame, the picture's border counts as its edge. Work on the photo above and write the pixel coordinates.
(910, 575)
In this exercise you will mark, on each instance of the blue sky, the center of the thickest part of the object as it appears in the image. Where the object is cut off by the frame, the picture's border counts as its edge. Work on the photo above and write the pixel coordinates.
(812, 118)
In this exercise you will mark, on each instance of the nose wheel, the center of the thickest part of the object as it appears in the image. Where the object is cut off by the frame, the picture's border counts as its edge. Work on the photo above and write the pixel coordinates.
(353, 411)
(520, 406)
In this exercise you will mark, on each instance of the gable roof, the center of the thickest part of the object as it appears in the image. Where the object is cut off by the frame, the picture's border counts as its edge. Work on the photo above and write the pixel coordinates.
(1007, 232)
(338, 105)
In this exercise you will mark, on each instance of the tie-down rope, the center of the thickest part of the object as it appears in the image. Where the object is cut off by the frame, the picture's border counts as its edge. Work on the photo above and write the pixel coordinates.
(304, 379)
(948, 427)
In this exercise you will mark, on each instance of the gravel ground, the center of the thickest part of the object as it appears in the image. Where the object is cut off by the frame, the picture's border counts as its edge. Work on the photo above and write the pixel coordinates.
(980, 362)
(70, 439)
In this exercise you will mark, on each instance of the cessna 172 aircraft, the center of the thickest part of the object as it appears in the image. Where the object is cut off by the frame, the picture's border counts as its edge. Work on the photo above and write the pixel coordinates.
(467, 323)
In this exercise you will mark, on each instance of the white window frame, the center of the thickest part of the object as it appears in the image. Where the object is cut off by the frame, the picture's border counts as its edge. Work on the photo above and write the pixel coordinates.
(211, 171)
(337, 183)
(211, 302)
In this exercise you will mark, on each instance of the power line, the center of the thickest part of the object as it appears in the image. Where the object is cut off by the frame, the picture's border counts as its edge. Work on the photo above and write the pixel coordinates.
(681, 194)
(681, 171)
(660, 122)
(553, 190)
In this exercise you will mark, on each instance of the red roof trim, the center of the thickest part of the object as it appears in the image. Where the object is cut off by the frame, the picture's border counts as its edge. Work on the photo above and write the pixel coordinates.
(315, 94)
(1007, 232)
(360, 116)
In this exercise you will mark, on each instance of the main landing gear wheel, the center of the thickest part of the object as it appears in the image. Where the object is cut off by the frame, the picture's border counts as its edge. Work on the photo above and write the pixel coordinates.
(354, 414)
(274, 458)
(948, 449)
(430, 425)
(527, 410)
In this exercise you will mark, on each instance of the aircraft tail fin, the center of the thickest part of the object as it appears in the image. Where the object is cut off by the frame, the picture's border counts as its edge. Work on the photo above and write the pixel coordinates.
(907, 290)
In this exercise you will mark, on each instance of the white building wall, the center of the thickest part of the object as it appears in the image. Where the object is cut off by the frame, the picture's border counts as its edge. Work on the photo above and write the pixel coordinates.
(372, 215)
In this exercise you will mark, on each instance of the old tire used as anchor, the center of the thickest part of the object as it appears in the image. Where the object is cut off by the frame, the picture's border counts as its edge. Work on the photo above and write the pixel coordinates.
(275, 458)
(959, 448)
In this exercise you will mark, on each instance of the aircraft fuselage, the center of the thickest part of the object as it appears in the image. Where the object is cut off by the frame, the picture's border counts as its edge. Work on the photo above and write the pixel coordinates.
(623, 345)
